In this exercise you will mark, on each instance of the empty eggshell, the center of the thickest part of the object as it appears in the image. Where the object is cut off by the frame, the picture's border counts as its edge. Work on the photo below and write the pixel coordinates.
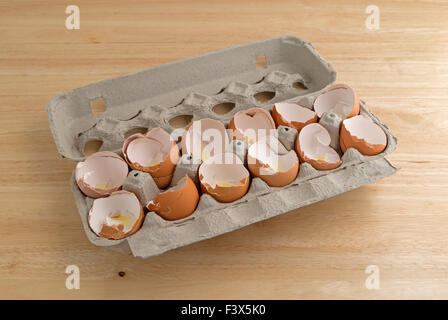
(292, 115)
(177, 202)
(251, 125)
(362, 134)
(101, 174)
(269, 160)
(339, 99)
(116, 216)
(313, 146)
(224, 177)
(154, 152)
(204, 138)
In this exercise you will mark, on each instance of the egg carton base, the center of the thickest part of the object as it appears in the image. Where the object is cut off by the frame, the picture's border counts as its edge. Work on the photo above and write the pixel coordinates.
(156, 236)
(144, 187)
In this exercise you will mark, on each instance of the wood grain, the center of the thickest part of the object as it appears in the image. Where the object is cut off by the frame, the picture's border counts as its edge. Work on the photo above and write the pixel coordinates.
(320, 251)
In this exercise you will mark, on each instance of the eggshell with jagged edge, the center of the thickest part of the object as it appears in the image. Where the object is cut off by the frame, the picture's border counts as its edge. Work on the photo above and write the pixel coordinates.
(313, 147)
(251, 125)
(292, 115)
(154, 152)
(101, 174)
(339, 99)
(117, 216)
(362, 134)
(270, 161)
(177, 202)
(224, 177)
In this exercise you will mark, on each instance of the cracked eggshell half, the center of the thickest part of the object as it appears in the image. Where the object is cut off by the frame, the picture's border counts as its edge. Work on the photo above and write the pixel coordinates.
(101, 174)
(292, 115)
(204, 138)
(224, 177)
(177, 202)
(313, 146)
(154, 152)
(117, 216)
(251, 125)
(362, 134)
(269, 160)
(339, 99)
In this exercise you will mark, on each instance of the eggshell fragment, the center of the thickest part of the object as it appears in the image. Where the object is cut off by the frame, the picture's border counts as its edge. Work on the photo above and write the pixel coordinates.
(251, 125)
(154, 152)
(224, 177)
(339, 99)
(101, 174)
(362, 134)
(116, 216)
(177, 202)
(269, 160)
(204, 138)
(313, 146)
(292, 115)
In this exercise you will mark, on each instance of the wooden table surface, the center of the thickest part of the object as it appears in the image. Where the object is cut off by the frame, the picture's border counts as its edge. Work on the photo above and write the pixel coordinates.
(321, 251)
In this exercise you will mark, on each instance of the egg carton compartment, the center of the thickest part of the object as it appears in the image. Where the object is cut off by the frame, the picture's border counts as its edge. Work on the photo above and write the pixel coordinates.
(214, 85)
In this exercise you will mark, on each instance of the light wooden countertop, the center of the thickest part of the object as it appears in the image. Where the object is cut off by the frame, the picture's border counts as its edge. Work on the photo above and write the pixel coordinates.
(321, 251)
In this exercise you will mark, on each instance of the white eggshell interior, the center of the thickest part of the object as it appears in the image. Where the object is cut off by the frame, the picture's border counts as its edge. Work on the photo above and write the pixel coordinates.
(294, 112)
(366, 129)
(205, 138)
(272, 153)
(122, 204)
(151, 149)
(225, 169)
(314, 142)
(145, 152)
(257, 126)
(339, 101)
(102, 172)
(161, 136)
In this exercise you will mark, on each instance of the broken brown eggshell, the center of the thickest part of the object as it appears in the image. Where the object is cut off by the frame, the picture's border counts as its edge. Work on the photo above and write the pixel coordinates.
(313, 147)
(339, 99)
(251, 125)
(224, 177)
(177, 202)
(154, 152)
(292, 115)
(362, 134)
(269, 160)
(101, 174)
(117, 216)
(204, 138)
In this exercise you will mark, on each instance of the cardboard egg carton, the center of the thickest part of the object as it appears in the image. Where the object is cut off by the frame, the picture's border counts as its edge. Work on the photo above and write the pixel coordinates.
(190, 89)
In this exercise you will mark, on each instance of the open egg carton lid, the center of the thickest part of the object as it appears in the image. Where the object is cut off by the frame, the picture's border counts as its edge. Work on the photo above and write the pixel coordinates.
(281, 69)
